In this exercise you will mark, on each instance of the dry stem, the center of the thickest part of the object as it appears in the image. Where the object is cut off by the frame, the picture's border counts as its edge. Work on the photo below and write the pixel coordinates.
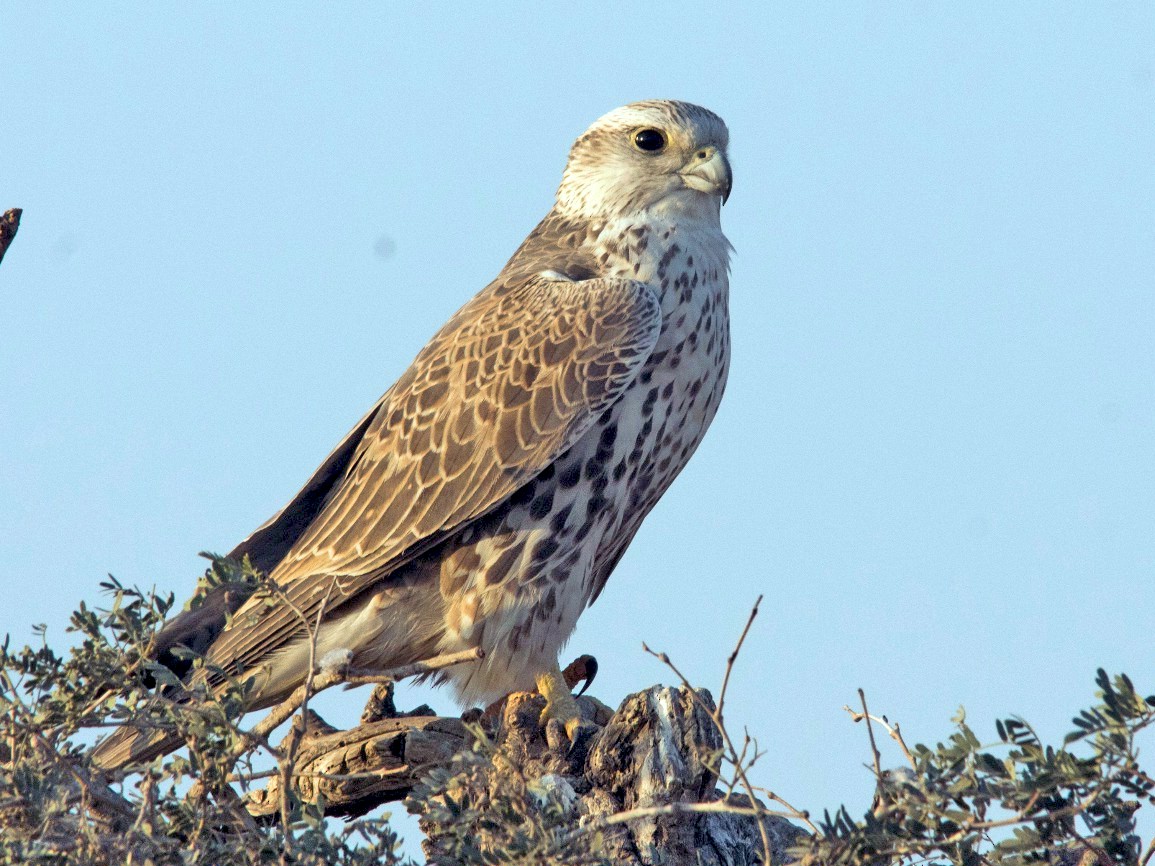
(736, 758)
(894, 730)
(356, 677)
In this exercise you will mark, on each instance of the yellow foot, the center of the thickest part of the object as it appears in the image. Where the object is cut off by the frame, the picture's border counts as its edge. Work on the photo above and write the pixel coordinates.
(559, 702)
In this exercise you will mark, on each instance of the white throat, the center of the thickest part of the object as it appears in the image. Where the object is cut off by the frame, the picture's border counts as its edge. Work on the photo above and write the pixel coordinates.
(642, 247)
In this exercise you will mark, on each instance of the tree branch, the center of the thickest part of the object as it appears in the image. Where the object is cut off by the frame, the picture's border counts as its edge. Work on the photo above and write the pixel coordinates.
(363, 767)
(342, 675)
(9, 223)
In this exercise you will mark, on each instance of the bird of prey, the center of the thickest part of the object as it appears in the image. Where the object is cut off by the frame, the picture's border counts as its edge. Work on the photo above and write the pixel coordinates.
(488, 495)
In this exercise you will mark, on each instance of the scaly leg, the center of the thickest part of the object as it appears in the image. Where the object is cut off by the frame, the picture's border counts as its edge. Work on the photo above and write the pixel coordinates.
(559, 701)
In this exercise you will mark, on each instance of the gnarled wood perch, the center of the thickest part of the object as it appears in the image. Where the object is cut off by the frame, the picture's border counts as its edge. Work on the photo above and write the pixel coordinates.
(644, 779)
(361, 768)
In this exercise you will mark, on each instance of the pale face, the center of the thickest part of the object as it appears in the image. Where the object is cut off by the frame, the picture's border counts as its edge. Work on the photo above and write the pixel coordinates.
(659, 155)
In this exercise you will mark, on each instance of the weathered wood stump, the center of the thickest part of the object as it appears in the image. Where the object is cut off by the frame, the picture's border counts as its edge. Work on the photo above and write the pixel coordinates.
(654, 756)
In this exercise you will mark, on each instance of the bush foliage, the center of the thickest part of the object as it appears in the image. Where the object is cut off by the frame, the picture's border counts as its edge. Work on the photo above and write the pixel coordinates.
(1014, 801)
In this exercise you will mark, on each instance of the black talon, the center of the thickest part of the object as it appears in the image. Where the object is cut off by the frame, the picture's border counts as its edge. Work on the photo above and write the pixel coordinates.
(591, 672)
(583, 668)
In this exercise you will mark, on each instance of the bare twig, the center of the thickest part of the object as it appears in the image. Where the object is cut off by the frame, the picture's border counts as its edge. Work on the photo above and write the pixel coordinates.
(734, 656)
(289, 747)
(893, 730)
(735, 757)
(870, 733)
(9, 224)
(358, 676)
(1149, 853)
(669, 809)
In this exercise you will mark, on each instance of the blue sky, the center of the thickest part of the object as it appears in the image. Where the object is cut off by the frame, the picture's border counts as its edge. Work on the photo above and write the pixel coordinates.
(936, 455)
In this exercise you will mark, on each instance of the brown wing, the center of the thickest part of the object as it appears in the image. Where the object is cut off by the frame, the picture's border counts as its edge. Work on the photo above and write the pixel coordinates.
(510, 383)
(197, 627)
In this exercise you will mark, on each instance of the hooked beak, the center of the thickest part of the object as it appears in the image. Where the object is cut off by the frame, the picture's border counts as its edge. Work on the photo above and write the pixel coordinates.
(709, 171)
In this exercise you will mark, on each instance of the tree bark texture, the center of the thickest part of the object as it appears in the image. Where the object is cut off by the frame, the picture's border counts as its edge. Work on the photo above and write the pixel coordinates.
(653, 755)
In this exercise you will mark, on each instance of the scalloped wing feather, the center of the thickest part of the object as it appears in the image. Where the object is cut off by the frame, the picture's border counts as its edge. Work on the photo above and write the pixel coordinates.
(514, 379)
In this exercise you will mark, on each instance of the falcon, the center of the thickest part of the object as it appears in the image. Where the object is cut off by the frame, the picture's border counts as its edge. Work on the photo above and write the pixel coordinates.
(486, 498)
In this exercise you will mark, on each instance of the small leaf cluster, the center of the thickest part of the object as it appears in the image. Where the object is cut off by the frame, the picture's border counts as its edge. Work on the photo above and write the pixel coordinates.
(1010, 803)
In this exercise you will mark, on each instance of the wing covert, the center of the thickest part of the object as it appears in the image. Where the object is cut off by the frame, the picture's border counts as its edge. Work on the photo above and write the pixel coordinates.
(504, 388)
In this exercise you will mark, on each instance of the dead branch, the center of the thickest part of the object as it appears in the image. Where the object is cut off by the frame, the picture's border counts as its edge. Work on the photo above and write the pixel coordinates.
(361, 768)
(645, 781)
(738, 761)
(340, 674)
(9, 224)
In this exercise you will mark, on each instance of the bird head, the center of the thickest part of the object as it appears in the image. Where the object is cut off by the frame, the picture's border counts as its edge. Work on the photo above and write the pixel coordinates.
(658, 155)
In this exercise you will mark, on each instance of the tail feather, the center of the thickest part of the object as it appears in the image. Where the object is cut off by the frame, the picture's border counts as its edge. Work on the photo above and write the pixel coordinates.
(127, 745)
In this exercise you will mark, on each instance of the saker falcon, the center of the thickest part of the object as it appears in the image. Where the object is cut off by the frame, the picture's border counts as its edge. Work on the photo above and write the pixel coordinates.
(487, 496)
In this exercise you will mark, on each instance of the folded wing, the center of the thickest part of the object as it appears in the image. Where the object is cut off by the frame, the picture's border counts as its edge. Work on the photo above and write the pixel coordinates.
(507, 386)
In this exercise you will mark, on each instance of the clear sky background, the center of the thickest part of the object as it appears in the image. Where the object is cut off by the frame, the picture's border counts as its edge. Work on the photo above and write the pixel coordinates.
(936, 455)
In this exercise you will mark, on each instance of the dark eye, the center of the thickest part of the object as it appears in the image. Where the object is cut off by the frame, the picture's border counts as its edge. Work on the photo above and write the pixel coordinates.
(650, 140)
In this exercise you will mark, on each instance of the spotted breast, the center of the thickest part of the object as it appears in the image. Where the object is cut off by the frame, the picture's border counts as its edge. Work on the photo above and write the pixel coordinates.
(522, 580)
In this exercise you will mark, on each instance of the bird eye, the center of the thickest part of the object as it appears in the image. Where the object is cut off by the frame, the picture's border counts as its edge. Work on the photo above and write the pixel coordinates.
(649, 140)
